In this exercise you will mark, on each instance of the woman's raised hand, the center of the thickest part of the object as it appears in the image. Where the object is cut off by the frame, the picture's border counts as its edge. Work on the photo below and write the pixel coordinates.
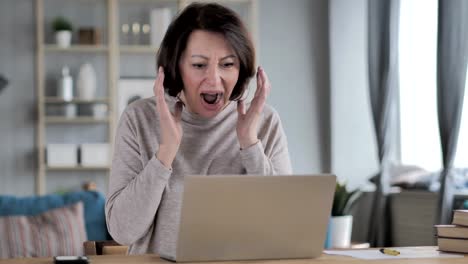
(247, 122)
(170, 124)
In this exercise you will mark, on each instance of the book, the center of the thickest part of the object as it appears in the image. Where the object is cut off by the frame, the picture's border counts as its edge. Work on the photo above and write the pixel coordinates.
(452, 231)
(453, 244)
(460, 217)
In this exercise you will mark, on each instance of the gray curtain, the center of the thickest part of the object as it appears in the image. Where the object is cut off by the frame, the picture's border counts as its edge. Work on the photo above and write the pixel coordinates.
(452, 57)
(383, 21)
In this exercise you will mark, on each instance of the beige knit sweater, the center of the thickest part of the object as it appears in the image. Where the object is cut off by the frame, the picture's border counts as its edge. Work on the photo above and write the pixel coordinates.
(144, 197)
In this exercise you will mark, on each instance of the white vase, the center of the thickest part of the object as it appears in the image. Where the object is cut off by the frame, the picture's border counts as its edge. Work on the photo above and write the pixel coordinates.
(63, 38)
(340, 231)
(86, 82)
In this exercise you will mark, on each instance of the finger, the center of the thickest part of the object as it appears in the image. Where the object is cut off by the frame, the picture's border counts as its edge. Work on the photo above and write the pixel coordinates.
(158, 84)
(266, 82)
(240, 107)
(256, 107)
(258, 102)
(155, 87)
(178, 111)
(259, 99)
(262, 92)
(161, 104)
(259, 82)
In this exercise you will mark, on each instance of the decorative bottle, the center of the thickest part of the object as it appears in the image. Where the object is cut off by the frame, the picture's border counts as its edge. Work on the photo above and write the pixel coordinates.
(65, 85)
(65, 92)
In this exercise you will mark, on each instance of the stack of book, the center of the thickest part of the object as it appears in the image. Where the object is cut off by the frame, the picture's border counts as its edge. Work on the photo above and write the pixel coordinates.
(454, 238)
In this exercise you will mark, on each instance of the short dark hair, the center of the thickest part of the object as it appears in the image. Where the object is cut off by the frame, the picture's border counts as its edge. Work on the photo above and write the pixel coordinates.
(210, 17)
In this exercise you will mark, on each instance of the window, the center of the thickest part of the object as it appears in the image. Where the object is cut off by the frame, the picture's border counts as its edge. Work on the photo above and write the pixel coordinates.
(419, 129)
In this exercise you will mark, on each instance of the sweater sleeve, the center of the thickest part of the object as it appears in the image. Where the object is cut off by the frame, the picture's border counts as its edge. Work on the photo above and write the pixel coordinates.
(135, 189)
(270, 155)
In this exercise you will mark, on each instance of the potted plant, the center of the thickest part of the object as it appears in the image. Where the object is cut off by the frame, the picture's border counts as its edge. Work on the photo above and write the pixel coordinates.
(341, 223)
(63, 31)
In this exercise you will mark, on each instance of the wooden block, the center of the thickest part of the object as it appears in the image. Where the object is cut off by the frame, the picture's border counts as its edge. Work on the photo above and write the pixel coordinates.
(114, 250)
(89, 248)
(89, 36)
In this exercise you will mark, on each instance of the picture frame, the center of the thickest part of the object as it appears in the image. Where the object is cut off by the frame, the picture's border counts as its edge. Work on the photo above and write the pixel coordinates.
(132, 89)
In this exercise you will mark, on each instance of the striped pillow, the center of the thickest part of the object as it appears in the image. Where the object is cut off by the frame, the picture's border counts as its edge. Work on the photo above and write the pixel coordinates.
(56, 232)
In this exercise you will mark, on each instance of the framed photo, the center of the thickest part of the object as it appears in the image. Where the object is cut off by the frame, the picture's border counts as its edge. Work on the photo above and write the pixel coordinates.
(132, 89)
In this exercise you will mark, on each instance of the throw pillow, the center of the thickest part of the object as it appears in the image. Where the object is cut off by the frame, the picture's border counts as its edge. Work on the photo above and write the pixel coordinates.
(94, 203)
(56, 232)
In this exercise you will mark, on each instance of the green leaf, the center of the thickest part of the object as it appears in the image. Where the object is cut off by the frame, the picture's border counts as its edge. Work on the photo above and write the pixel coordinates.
(343, 200)
(61, 23)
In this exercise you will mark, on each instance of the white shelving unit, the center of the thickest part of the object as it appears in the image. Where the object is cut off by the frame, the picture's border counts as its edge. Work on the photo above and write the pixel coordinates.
(76, 48)
(76, 120)
(56, 100)
(138, 49)
(45, 122)
(77, 168)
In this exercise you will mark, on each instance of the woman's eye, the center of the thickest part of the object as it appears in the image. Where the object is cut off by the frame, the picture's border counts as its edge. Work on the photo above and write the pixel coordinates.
(198, 65)
(228, 64)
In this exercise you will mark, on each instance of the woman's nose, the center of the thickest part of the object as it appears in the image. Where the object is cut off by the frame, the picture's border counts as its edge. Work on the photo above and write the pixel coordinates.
(213, 76)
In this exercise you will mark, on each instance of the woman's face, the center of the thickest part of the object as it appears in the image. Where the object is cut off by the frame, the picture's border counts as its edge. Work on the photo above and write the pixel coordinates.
(209, 68)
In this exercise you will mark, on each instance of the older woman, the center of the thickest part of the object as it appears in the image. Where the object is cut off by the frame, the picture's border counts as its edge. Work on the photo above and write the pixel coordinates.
(192, 126)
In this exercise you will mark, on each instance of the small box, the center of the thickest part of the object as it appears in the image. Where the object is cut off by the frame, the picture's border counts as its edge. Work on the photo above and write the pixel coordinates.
(62, 155)
(95, 154)
(89, 36)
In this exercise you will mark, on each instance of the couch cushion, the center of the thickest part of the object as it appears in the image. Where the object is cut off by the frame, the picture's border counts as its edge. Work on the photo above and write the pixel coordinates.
(59, 231)
(95, 220)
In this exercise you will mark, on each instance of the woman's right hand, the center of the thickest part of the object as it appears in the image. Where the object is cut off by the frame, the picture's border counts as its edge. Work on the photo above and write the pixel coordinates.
(169, 124)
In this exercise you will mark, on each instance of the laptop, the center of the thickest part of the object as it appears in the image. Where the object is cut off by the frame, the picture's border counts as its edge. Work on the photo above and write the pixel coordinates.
(242, 217)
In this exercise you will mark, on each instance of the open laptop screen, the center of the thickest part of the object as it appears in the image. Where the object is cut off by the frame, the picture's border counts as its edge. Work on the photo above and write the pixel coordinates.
(242, 217)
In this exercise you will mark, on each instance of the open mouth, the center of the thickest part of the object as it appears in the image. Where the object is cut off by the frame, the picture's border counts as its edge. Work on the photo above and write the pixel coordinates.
(211, 98)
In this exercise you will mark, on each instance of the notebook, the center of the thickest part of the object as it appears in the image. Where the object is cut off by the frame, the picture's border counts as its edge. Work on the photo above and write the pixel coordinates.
(241, 217)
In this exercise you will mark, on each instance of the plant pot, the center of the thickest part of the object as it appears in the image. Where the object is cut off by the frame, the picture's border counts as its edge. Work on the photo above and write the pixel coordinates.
(340, 231)
(63, 38)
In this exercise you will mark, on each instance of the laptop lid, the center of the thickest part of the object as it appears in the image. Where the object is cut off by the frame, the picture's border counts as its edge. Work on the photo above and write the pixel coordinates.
(242, 217)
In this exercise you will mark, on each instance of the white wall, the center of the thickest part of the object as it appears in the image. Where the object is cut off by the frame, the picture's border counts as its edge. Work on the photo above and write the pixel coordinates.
(18, 100)
(353, 147)
(293, 48)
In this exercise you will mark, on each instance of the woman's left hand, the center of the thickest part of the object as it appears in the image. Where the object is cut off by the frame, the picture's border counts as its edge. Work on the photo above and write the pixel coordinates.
(247, 122)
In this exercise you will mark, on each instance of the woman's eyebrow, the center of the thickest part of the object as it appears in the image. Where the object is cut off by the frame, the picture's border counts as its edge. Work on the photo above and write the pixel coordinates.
(229, 56)
(200, 56)
(206, 58)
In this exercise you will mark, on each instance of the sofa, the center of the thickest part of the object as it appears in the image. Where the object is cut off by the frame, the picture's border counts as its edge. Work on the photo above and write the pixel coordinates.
(48, 225)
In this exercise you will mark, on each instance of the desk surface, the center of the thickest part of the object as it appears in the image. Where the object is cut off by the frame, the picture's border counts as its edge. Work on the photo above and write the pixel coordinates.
(324, 259)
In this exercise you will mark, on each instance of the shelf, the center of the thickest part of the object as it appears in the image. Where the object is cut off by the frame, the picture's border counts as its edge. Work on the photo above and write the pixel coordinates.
(138, 49)
(76, 48)
(143, 1)
(75, 120)
(57, 100)
(78, 168)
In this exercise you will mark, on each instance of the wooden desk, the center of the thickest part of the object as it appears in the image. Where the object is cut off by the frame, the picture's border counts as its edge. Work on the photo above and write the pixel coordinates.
(324, 259)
